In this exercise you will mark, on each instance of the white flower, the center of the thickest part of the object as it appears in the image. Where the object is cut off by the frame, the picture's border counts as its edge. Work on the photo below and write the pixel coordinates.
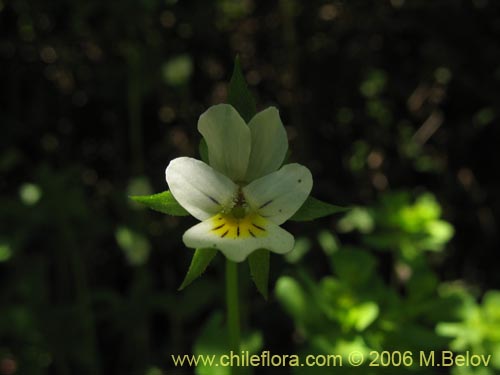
(241, 198)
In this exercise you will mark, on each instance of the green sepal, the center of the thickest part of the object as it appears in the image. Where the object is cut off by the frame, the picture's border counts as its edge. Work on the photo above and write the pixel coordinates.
(162, 202)
(314, 209)
(203, 150)
(200, 261)
(238, 94)
(259, 269)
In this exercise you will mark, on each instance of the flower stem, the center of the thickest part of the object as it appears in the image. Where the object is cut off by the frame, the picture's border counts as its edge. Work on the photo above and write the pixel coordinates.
(233, 309)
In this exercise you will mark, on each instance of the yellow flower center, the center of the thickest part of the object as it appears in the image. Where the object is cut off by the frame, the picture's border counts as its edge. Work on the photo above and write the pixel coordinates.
(239, 225)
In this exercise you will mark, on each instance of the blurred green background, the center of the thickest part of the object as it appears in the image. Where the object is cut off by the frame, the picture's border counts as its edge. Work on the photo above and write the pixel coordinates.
(393, 105)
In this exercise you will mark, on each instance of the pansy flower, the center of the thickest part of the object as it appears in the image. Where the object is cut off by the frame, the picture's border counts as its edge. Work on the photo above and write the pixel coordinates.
(244, 194)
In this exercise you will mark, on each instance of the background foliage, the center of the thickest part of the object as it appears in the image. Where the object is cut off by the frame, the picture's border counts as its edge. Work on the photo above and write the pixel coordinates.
(393, 105)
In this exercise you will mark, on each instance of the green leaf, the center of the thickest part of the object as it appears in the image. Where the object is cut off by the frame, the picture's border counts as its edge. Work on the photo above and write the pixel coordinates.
(212, 341)
(300, 249)
(259, 269)
(5, 252)
(201, 259)
(178, 70)
(314, 209)
(353, 265)
(238, 94)
(162, 202)
(328, 242)
(135, 246)
(294, 298)
(491, 306)
(363, 315)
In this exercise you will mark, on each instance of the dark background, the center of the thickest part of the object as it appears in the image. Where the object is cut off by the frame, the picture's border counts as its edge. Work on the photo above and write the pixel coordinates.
(97, 96)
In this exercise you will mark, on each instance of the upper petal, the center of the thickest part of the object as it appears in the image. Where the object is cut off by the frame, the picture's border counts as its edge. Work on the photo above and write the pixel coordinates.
(277, 196)
(228, 140)
(200, 189)
(237, 240)
(269, 144)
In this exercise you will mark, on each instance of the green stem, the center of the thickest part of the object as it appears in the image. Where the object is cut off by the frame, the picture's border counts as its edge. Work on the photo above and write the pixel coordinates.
(233, 309)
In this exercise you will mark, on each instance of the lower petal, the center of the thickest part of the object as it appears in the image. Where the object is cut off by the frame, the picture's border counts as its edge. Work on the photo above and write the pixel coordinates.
(237, 238)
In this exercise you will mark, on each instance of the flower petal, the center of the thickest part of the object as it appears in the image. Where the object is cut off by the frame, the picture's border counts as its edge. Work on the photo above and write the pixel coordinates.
(237, 238)
(269, 144)
(280, 194)
(228, 140)
(200, 189)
